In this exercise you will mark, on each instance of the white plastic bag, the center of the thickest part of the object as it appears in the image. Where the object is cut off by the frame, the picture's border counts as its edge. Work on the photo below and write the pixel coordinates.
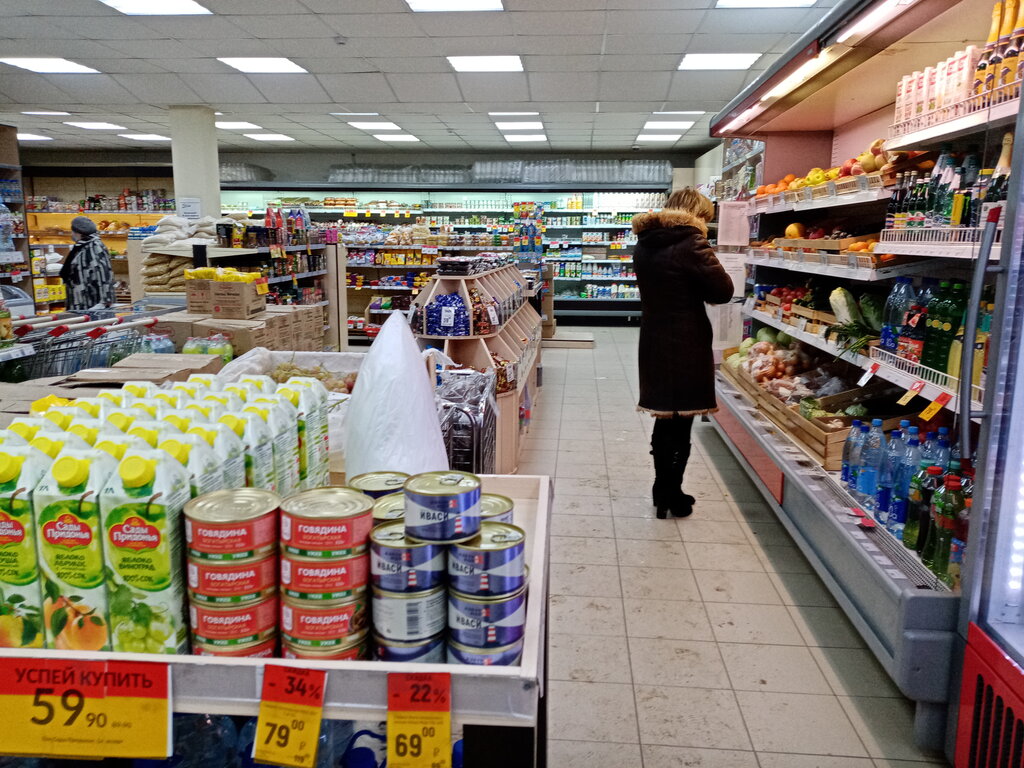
(392, 417)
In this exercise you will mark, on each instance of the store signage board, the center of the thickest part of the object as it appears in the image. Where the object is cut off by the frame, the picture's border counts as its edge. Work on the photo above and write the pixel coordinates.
(85, 709)
(190, 208)
(291, 708)
(419, 720)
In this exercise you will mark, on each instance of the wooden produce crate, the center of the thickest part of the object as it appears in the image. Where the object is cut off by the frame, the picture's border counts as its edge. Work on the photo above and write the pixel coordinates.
(823, 244)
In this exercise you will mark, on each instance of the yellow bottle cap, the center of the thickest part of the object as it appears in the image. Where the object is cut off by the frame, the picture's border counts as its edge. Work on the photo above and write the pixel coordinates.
(136, 390)
(178, 421)
(121, 420)
(150, 409)
(234, 423)
(149, 435)
(136, 471)
(50, 447)
(291, 395)
(93, 409)
(117, 398)
(208, 435)
(59, 418)
(242, 392)
(10, 467)
(216, 399)
(86, 433)
(263, 413)
(203, 409)
(177, 449)
(114, 449)
(70, 471)
(187, 387)
(45, 403)
(171, 398)
(25, 431)
(258, 383)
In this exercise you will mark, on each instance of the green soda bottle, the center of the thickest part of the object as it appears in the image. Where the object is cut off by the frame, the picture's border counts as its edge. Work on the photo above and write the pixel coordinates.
(919, 498)
(946, 509)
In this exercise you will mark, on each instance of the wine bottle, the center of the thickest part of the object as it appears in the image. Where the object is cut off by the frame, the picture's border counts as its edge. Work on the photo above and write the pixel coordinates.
(995, 195)
(902, 212)
(981, 71)
(995, 65)
(1008, 74)
(892, 209)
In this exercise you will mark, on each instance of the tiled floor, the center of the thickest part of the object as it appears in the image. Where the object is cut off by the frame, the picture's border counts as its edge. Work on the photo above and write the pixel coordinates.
(705, 642)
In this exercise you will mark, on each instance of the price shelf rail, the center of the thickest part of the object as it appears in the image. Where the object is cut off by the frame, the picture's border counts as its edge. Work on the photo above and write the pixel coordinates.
(939, 242)
(595, 277)
(973, 115)
(296, 276)
(863, 274)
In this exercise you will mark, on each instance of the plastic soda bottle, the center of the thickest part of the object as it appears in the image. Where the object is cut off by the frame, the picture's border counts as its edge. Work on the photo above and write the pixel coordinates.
(887, 477)
(851, 439)
(946, 508)
(923, 486)
(855, 453)
(872, 456)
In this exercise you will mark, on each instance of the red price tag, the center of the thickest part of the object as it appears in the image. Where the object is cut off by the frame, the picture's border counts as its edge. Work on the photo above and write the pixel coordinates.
(419, 720)
(937, 404)
(910, 394)
(288, 729)
(871, 371)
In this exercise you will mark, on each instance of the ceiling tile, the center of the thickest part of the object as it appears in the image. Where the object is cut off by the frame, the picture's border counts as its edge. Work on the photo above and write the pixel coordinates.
(356, 6)
(104, 28)
(30, 89)
(561, 63)
(726, 20)
(436, 87)
(166, 89)
(461, 24)
(511, 85)
(290, 89)
(264, 26)
(411, 64)
(553, 86)
(732, 42)
(92, 89)
(639, 85)
(231, 7)
(559, 23)
(706, 85)
(656, 22)
(192, 27)
(665, 62)
(338, 66)
(373, 24)
(629, 44)
(357, 86)
(152, 49)
(396, 46)
(222, 89)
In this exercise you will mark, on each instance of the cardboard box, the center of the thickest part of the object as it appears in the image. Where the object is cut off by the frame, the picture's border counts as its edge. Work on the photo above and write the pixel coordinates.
(243, 334)
(189, 363)
(199, 296)
(237, 301)
(178, 326)
(115, 377)
(279, 329)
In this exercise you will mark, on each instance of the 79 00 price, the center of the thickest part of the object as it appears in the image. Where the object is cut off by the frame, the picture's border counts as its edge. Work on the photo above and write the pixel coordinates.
(71, 704)
(279, 734)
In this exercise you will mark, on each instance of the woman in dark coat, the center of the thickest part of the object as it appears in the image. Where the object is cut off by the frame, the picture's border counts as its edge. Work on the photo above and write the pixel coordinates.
(87, 272)
(677, 273)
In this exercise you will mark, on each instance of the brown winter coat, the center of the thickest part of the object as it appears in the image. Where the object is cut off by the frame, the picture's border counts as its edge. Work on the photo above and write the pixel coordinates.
(677, 273)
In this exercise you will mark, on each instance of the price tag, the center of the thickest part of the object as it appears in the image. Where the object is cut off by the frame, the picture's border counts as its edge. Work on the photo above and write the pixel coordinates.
(419, 720)
(349, 214)
(447, 316)
(79, 708)
(801, 324)
(291, 707)
(881, 559)
(910, 394)
(871, 371)
(748, 304)
(262, 288)
(510, 372)
(429, 250)
(936, 406)
(493, 314)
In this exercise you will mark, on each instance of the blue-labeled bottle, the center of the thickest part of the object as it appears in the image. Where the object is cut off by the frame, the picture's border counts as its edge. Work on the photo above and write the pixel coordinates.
(899, 502)
(847, 448)
(929, 448)
(890, 469)
(872, 456)
(855, 454)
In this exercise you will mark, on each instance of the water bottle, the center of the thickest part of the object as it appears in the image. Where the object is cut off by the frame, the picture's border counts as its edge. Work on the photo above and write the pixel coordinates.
(890, 469)
(908, 466)
(872, 456)
(855, 453)
(929, 448)
(942, 453)
(200, 741)
(847, 450)
(900, 299)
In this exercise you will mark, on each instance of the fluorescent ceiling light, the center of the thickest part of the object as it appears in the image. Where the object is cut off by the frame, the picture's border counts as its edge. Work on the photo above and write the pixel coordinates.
(33, 137)
(144, 136)
(804, 73)
(263, 65)
(521, 126)
(765, 3)
(668, 125)
(269, 137)
(666, 137)
(719, 60)
(700, 112)
(228, 126)
(97, 126)
(357, 114)
(743, 119)
(512, 114)
(455, 5)
(157, 7)
(395, 137)
(382, 125)
(46, 113)
(49, 66)
(486, 63)
(886, 11)
(526, 137)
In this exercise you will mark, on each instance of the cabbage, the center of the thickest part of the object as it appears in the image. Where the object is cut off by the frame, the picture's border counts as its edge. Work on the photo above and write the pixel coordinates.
(857, 411)
(734, 360)
(746, 344)
(844, 307)
(873, 309)
(767, 334)
(785, 340)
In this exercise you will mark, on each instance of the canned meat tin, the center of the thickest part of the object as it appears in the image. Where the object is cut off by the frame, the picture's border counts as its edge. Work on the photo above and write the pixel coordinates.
(506, 656)
(261, 649)
(356, 649)
(398, 564)
(408, 616)
(390, 507)
(326, 522)
(306, 624)
(378, 484)
(442, 506)
(490, 564)
(486, 622)
(495, 508)
(232, 525)
(233, 625)
(429, 651)
(312, 578)
(239, 581)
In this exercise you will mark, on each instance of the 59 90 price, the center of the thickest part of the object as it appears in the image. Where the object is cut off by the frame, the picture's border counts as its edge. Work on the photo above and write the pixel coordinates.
(65, 709)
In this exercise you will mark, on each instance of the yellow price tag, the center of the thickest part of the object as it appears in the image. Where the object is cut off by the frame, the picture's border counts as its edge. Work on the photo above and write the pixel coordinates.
(419, 720)
(349, 214)
(262, 288)
(910, 394)
(94, 709)
(936, 406)
(291, 707)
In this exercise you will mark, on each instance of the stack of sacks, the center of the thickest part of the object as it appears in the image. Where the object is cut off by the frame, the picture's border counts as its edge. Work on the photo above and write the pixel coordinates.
(205, 228)
(169, 229)
(176, 231)
(164, 274)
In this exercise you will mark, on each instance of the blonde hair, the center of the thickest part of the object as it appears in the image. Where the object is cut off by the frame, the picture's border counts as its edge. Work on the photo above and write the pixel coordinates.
(689, 199)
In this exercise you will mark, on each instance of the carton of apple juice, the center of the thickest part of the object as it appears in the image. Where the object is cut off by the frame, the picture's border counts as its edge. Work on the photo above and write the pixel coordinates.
(140, 506)
(229, 450)
(311, 444)
(69, 541)
(21, 600)
(198, 458)
(258, 440)
(282, 418)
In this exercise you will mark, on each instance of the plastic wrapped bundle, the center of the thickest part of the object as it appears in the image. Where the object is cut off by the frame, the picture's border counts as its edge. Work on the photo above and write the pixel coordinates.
(468, 413)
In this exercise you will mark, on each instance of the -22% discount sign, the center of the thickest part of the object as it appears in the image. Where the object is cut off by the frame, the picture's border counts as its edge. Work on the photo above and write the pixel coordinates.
(85, 709)
(419, 720)
(291, 707)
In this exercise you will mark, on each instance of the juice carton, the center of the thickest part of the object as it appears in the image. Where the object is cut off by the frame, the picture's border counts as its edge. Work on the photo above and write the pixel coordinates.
(229, 401)
(11, 438)
(179, 418)
(282, 417)
(245, 391)
(311, 456)
(264, 384)
(29, 427)
(87, 429)
(153, 432)
(204, 380)
(169, 399)
(229, 450)
(43, 404)
(323, 399)
(70, 545)
(186, 389)
(53, 444)
(140, 507)
(196, 455)
(134, 389)
(148, 406)
(119, 421)
(112, 397)
(258, 440)
(118, 445)
(62, 416)
(93, 406)
(204, 411)
(21, 600)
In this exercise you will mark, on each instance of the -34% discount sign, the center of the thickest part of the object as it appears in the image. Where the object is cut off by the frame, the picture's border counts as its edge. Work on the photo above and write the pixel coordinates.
(291, 707)
(419, 720)
(85, 708)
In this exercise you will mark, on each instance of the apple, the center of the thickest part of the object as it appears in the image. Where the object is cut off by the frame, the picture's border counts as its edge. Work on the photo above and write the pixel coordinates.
(857, 170)
(846, 169)
(832, 174)
(867, 161)
(816, 176)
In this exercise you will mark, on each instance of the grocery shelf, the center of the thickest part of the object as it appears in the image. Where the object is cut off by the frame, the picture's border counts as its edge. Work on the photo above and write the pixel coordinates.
(89, 213)
(500, 328)
(609, 279)
(475, 275)
(864, 274)
(17, 351)
(391, 266)
(382, 288)
(552, 225)
(215, 252)
(859, 197)
(995, 116)
(588, 261)
(591, 298)
(296, 276)
(422, 186)
(741, 160)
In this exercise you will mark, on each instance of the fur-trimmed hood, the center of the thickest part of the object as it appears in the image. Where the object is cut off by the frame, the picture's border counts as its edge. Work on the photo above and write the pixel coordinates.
(668, 217)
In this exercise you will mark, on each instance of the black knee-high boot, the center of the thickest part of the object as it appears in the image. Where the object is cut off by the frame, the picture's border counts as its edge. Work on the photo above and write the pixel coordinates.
(670, 447)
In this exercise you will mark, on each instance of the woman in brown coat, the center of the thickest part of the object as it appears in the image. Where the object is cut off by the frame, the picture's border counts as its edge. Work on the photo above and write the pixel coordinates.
(677, 273)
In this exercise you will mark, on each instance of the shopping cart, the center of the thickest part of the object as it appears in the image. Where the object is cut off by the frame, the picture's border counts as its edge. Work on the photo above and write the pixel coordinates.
(65, 346)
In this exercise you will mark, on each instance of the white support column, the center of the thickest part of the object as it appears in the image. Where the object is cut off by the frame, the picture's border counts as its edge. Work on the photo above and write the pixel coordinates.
(196, 164)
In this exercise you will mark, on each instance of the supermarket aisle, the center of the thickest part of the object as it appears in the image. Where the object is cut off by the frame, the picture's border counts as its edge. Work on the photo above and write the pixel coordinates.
(705, 642)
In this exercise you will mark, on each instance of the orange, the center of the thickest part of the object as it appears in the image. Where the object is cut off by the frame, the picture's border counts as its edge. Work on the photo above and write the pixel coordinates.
(789, 178)
(83, 633)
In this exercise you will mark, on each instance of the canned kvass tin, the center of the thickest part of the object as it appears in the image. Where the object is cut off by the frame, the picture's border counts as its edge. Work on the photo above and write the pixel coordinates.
(233, 625)
(398, 564)
(314, 578)
(326, 522)
(259, 649)
(486, 622)
(442, 506)
(390, 507)
(237, 581)
(355, 649)
(408, 616)
(429, 651)
(490, 564)
(308, 624)
(506, 656)
(378, 484)
(495, 508)
(232, 525)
